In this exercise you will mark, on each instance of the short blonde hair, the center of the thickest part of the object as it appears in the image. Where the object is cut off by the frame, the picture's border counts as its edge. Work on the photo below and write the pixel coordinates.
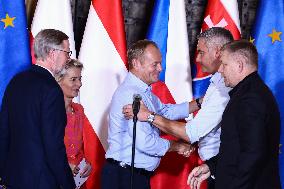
(72, 63)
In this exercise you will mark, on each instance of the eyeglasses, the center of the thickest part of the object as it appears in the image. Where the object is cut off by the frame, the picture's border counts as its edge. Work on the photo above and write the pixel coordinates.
(68, 52)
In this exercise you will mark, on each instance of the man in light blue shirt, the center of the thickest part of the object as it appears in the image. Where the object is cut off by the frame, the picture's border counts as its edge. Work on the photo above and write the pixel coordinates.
(205, 127)
(144, 60)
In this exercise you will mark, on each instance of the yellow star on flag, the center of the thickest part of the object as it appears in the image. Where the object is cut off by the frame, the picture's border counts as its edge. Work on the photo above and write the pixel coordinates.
(251, 39)
(275, 36)
(8, 21)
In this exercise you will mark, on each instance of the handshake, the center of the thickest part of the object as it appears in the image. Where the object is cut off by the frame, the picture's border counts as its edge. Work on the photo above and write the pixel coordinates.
(181, 148)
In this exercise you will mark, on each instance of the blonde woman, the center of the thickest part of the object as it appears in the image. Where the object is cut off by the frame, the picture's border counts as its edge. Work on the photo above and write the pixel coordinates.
(69, 80)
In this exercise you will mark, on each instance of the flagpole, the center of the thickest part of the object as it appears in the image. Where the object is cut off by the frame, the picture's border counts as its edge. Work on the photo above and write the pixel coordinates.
(75, 24)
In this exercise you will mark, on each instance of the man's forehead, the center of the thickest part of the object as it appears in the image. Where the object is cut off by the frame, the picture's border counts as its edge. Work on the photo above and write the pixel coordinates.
(201, 44)
(201, 41)
(228, 55)
(150, 50)
(65, 43)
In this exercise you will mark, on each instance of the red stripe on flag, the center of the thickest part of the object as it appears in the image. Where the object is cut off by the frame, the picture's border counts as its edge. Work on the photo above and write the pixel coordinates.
(110, 13)
(94, 153)
(161, 90)
(171, 174)
(217, 12)
(32, 49)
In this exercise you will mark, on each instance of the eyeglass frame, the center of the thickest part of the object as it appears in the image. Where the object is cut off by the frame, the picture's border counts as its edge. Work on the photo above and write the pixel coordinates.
(68, 52)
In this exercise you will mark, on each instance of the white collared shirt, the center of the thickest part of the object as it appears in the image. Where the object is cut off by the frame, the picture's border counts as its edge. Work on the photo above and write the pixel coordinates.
(204, 127)
(150, 147)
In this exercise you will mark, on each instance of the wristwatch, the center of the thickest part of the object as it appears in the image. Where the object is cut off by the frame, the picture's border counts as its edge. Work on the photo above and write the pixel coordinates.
(151, 117)
(198, 103)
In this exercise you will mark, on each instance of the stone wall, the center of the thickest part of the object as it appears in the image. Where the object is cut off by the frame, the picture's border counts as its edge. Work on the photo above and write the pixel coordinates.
(137, 14)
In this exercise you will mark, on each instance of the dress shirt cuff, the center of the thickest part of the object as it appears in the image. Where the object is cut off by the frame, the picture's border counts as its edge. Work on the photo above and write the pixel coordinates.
(192, 132)
(176, 111)
(166, 146)
(183, 110)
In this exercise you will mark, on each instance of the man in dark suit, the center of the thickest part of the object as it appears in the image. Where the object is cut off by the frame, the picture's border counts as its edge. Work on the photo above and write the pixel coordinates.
(33, 119)
(248, 155)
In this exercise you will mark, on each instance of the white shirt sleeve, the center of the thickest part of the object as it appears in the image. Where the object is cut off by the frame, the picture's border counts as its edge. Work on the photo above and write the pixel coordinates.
(210, 114)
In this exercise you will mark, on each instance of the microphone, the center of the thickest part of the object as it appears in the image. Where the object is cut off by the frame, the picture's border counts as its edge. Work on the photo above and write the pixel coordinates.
(135, 109)
(136, 104)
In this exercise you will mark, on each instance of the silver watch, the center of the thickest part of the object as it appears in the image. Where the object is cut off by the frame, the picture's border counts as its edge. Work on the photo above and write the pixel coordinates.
(151, 117)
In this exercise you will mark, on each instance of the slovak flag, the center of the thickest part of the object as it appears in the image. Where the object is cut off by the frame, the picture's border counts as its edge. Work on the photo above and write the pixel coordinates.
(103, 54)
(219, 13)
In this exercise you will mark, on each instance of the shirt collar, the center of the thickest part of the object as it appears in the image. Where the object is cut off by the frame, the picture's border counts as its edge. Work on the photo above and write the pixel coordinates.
(216, 77)
(138, 82)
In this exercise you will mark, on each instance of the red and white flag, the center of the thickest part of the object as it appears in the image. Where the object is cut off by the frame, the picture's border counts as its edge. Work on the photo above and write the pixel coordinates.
(54, 14)
(223, 13)
(219, 13)
(103, 54)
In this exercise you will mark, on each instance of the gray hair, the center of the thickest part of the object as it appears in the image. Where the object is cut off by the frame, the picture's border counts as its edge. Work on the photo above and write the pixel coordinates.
(72, 63)
(137, 49)
(243, 48)
(46, 40)
(216, 36)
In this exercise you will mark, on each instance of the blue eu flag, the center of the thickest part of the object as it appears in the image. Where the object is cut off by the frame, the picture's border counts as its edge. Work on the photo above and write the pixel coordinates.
(14, 41)
(268, 38)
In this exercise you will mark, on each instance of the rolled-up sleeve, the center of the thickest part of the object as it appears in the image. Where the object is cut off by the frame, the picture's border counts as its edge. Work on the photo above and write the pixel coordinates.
(174, 111)
(209, 116)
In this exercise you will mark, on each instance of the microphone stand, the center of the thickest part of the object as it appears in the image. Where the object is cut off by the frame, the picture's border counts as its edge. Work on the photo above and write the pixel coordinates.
(135, 108)
(133, 148)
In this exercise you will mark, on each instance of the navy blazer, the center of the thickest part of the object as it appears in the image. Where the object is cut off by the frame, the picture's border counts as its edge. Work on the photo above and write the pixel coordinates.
(248, 156)
(32, 124)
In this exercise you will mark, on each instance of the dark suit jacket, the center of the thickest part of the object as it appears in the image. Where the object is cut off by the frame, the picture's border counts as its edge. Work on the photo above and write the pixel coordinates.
(248, 156)
(32, 124)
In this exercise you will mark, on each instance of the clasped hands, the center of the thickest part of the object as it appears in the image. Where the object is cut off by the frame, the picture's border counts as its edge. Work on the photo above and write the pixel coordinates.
(85, 172)
(181, 148)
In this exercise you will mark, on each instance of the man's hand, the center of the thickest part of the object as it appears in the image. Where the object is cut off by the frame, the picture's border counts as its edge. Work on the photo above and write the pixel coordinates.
(75, 169)
(197, 176)
(182, 148)
(142, 114)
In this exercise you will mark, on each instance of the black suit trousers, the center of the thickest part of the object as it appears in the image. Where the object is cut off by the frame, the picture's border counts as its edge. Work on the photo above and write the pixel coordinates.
(116, 177)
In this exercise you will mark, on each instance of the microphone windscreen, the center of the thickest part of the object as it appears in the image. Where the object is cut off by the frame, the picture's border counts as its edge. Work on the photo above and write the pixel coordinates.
(137, 97)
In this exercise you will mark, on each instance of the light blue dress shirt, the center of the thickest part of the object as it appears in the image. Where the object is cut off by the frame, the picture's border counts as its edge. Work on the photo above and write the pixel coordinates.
(149, 146)
(205, 126)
